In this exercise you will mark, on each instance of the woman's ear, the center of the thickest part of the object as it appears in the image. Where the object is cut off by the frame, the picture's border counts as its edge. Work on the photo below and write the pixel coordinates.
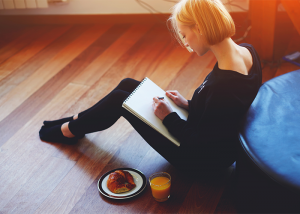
(198, 29)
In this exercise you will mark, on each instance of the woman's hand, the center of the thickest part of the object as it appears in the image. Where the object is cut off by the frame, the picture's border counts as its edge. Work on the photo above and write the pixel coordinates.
(178, 99)
(161, 108)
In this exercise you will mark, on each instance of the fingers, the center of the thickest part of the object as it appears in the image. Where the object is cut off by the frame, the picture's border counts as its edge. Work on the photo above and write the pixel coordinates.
(154, 105)
(157, 102)
(173, 92)
(158, 99)
(161, 108)
(170, 95)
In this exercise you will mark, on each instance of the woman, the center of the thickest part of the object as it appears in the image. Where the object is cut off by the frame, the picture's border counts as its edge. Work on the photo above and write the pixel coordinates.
(209, 136)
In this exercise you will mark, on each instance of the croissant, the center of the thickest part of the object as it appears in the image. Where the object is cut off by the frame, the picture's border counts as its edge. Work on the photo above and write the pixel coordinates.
(120, 181)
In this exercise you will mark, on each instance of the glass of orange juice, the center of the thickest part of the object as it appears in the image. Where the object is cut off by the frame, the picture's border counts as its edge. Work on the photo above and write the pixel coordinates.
(160, 183)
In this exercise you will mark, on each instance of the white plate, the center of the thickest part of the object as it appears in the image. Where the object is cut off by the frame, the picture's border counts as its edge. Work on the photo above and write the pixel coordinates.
(139, 180)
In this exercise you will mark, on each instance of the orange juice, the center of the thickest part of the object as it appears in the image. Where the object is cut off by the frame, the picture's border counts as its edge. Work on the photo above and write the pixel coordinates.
(160, 186)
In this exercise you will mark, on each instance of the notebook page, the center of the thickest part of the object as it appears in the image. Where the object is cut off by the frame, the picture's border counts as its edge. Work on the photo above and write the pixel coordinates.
(141, 101)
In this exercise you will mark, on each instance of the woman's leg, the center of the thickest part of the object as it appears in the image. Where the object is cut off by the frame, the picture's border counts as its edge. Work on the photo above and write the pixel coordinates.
(125, 85)
(109, 109)
(104, 113)
(54, 131)
(101, 116)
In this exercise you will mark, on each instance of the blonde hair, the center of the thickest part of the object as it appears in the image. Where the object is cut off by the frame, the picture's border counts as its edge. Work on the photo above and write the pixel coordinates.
(211, 17)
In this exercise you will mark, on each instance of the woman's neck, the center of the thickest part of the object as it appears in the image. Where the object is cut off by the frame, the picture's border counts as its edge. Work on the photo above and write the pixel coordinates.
(225, 50)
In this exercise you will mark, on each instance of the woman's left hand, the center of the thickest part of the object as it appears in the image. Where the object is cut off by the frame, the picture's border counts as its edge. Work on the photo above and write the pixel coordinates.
(161, 108)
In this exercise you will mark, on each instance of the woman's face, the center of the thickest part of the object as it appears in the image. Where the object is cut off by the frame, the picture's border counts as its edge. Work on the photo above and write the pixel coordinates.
(190, 38)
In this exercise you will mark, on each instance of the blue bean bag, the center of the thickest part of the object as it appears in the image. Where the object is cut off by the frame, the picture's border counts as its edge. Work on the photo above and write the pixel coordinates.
(268, 167)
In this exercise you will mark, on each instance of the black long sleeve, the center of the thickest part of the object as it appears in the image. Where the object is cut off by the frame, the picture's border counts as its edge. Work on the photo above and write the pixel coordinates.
(217, 106)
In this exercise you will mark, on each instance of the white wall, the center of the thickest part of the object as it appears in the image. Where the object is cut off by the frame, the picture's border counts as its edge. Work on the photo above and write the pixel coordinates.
(108, 7)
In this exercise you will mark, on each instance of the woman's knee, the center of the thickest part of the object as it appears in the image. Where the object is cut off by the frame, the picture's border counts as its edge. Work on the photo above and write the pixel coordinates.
(128, 84)
(117, 97)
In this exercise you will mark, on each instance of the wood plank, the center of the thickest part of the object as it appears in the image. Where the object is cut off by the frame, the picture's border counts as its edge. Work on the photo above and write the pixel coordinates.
(120, 69)
(147, 66)
(167, 71)
(22, 155)
(129, 154)
(292, 8)
(10, 33)
(88, 166)
(17, 170)
(30, 50)
(100, 65)
(18, 44)
(19, 117)
(14, 147)
(41, 58)
(18, 95)
(39, 186)
(205, 193)
(188, 76)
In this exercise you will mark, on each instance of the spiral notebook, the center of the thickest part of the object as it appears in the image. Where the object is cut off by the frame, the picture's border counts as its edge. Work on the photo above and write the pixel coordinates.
(139, 103)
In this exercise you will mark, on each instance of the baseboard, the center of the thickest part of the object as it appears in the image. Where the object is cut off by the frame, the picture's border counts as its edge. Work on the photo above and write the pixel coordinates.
(89, 19)
(82, 19)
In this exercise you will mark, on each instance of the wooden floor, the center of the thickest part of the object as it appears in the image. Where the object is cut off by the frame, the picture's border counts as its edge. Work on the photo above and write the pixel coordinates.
(49, 72)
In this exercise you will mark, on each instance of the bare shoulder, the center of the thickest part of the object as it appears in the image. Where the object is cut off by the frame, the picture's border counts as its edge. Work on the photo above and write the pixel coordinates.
(247, 56)
(241, 62)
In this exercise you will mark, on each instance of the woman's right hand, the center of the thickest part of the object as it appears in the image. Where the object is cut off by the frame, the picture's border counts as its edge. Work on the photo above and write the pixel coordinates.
(178, 99)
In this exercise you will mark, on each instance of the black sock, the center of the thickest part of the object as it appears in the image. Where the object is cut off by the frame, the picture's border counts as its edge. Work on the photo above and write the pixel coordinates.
(58, 122)
(54, 134)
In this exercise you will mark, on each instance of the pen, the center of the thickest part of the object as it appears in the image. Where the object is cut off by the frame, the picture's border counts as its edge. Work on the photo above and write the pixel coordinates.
(160, 98)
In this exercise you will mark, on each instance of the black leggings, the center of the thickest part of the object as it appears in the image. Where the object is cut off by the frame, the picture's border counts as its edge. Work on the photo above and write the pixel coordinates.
(109, 109)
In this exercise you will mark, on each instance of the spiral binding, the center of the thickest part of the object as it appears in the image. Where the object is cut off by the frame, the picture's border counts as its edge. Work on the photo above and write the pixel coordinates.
(136, 89)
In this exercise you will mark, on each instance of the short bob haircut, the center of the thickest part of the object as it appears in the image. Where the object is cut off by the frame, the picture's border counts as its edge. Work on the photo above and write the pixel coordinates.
(211, 16)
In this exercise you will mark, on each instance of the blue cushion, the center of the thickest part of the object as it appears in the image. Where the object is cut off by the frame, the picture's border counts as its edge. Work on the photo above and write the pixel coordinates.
(270, 134)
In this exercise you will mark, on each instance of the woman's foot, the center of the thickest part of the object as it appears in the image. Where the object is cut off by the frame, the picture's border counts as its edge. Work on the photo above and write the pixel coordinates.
(59, 133)
(55, 134)
(66, 131)
(60, 121)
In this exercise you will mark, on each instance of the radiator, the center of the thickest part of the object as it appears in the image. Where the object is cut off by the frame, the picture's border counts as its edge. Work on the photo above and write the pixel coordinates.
(22, 4)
